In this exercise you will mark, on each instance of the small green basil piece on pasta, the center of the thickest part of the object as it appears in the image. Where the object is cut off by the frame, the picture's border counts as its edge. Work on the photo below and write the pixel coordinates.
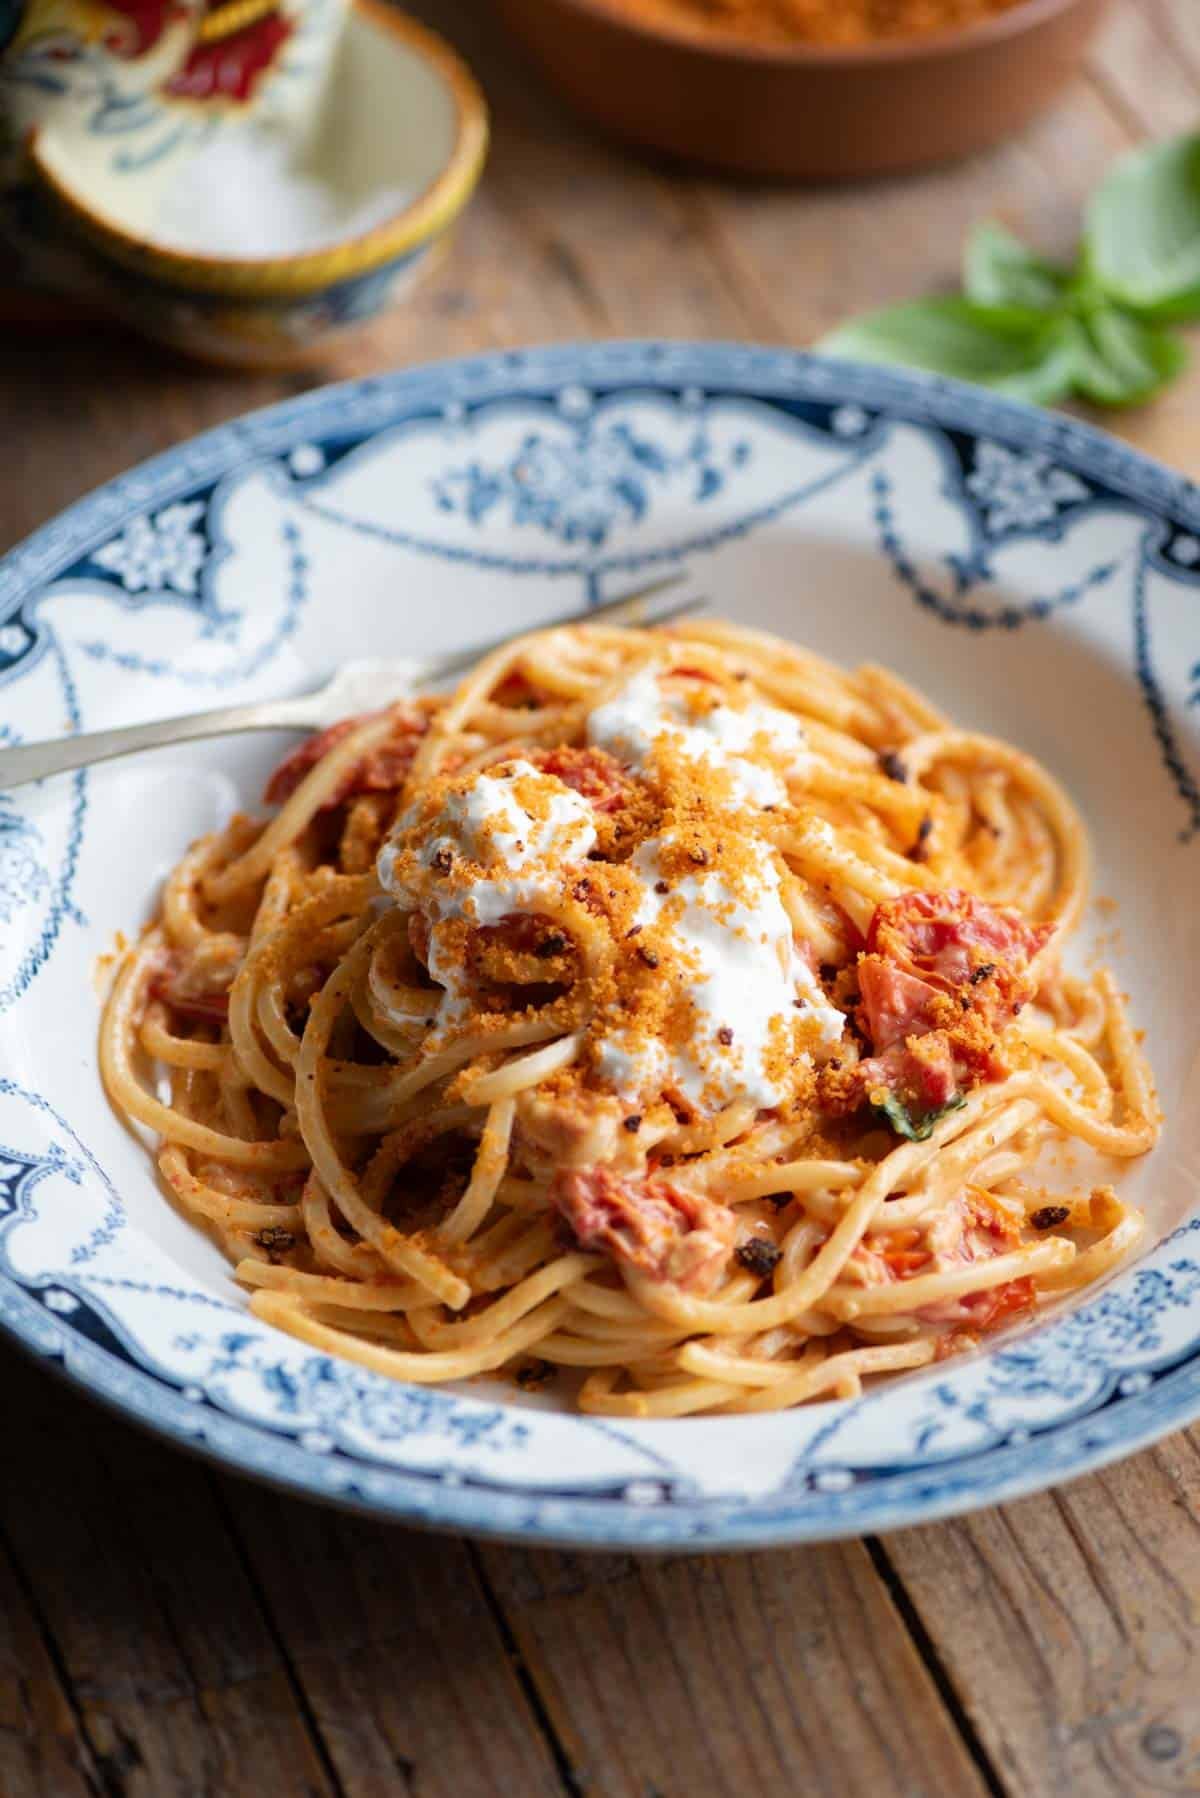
(915, 1129)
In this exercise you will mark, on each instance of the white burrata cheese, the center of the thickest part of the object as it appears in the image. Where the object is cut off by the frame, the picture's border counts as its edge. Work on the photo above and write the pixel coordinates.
(506, 818)
(736, 954)
(521, 826)
(728, 949)
(642, 717)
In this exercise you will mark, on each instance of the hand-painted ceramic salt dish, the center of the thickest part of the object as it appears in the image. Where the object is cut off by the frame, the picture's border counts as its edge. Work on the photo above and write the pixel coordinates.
(1036, 578)
(237, 177)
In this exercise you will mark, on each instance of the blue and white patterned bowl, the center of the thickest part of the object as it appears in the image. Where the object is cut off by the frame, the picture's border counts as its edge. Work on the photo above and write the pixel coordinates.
(1031, 574)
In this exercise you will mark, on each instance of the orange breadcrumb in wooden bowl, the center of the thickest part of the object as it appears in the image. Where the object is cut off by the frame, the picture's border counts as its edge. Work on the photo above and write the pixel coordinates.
(831, 23)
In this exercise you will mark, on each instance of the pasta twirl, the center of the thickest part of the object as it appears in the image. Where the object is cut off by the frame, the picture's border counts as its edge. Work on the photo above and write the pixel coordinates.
(672, 1007)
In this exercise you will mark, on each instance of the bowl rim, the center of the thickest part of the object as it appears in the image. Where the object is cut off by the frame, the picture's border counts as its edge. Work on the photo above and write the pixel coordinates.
(955, 40)
(311, 271)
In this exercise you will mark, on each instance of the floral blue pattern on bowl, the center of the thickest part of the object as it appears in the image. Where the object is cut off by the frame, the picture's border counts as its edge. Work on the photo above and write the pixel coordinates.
(1031, 573)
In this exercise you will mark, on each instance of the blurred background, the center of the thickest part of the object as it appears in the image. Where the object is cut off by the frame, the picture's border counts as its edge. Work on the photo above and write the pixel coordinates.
(573, 234)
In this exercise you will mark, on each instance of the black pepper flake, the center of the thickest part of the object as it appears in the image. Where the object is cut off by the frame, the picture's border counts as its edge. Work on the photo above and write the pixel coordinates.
(662, 886)
(582, 890)
(963, 1002)
(983, 972)
(699, 856)
(1018, 1008)
(770, 808)
(1050, 1217)
(534, 1375)
(632, 1123)
(778, 1199)
(834, 1066)
(550, 945)
(649, 957)
(758, 1256)
(276, 1240)
(443, 861)
(741, 675)
(919, 850)
(635, 931)
(725, 1035)
(829, 972)
(893, 766)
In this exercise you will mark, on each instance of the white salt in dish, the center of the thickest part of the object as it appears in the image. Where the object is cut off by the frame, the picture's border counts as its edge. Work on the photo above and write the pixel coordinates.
(243, 193)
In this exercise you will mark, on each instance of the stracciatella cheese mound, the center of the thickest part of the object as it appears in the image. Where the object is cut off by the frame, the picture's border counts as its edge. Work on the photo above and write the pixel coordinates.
(490, 847)
(751, 743)
(729, 952)
(707, 998)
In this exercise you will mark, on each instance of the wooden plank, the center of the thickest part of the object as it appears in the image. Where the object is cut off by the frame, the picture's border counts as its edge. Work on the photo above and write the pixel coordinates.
(811, 260)
(1143, 66)
(725, 1676)
(1176, 21)
(84, 408)
(178, 1682)
(1070, 1625)
(1147, 68)
(624, 235)
(42, 1750)
(399, 1657)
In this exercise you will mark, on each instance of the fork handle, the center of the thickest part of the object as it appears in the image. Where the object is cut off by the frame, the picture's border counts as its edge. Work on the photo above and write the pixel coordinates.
(35, 761)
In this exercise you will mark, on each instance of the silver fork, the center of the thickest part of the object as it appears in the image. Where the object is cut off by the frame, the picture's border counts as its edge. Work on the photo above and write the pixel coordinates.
(357, 687)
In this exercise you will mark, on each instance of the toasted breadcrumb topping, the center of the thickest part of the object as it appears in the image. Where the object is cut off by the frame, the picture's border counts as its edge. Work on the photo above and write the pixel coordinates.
(635, 876)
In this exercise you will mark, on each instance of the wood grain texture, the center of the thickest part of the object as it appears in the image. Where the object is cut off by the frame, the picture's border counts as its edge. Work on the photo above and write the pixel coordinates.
(726, 1676)
(1145, 65)
(1070, 1625)
(166, 1633)
(42, 1750)
(179, 1687)
(400, 1660)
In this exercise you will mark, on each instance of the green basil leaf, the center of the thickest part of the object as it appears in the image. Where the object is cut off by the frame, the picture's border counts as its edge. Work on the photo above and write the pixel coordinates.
(1143, 230)
(913, 1128)
(1008, 348)
(998, 270)
(1123, 361)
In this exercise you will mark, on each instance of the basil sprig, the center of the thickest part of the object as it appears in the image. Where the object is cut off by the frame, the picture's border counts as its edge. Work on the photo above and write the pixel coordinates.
(1103, 329)
(903, 1121)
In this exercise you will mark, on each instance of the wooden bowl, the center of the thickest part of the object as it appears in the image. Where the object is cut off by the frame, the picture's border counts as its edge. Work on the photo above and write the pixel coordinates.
(800, 111)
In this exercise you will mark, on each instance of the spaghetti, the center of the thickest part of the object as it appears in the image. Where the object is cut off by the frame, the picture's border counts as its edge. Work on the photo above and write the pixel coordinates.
(671, 1007)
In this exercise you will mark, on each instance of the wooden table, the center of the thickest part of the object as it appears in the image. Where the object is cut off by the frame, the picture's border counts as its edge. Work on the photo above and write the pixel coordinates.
(166, 1631)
